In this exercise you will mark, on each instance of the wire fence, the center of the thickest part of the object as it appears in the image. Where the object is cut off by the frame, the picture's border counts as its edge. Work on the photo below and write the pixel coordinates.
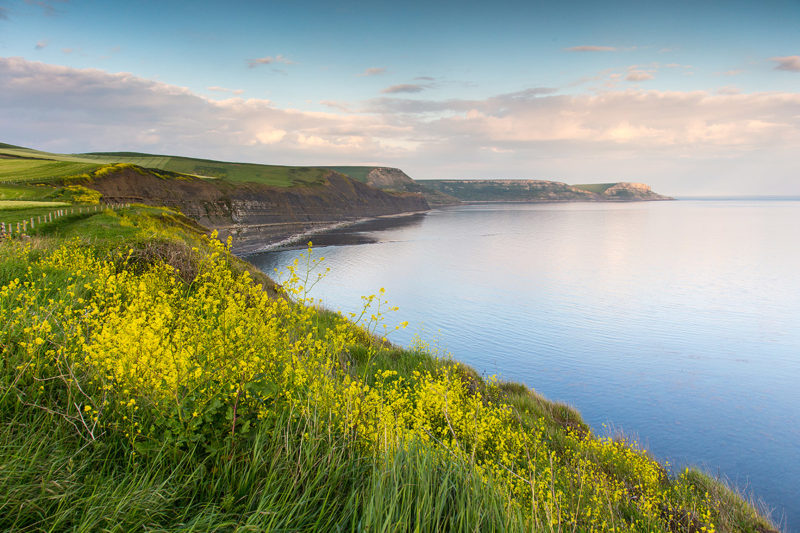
(20, 228)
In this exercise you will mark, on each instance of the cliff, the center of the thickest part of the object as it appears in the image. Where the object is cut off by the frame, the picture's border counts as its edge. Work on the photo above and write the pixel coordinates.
(395, 180)
(254, 213)
(542, 191)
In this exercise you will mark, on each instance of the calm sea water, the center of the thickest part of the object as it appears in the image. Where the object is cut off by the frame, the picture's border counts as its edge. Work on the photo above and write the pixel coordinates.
(677, 323)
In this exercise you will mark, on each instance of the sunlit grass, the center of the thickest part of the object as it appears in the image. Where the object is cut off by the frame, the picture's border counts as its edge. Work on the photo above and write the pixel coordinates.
(14, 205)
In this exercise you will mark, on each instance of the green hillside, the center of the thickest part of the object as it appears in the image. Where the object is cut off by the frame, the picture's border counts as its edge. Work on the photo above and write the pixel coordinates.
(19, 164)
(38, 170)
(274, 175)
(357, 173)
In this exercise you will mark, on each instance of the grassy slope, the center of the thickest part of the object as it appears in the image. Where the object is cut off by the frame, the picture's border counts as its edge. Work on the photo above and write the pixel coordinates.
(274, 175)
(294, 470)
(357, 173)
(28, 165)
(37, 170)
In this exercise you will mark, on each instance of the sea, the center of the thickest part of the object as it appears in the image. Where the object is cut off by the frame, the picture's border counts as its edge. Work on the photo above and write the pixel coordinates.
(674, 323)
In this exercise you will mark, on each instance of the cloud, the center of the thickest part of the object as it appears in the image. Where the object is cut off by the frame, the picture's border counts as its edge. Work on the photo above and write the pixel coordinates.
(269, 60)
(675, 140)
(373, 71)
(41, 45)
(341, 106)
(67, 50)
(591, 49)
(217, 89)
(729, 89)
(789, 63)
(639, 75)
(425, 78)
(404, 88)
(67, 109)
(47, 5)
(3, 13)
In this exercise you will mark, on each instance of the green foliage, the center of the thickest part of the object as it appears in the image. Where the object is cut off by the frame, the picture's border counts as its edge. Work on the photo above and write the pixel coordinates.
(81, 195)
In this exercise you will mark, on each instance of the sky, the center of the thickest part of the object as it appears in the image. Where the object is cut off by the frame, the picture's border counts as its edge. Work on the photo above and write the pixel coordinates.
(693, 98)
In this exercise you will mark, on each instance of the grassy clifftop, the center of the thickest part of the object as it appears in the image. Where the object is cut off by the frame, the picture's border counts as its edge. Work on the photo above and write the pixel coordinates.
(151, 380)
(20, 164)
(500, 190)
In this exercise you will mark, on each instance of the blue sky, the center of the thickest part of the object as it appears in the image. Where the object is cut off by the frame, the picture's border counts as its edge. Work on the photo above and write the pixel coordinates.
(692, 97)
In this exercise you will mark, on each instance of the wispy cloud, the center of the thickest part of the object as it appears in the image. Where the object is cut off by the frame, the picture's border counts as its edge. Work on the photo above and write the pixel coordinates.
(341, 106)
(373, 71)
(789, 63)
(217, 89)
(269, 60)
(729, 89)
(639, 75)
(47, 5)
(3, 13)
(425, 78)
(67, 50)
(404, 88)
(41, 45)
(591, 49)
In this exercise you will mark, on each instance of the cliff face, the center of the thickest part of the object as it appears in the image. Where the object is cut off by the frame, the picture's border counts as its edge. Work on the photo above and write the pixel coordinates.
(631, 192)
(257, 214)
(541, 191)
(394, 179)
(391, 179)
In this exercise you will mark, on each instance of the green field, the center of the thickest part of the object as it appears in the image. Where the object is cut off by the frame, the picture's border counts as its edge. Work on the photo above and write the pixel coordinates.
(12, 216)
(15, 205)
(41, 170)
(274, 175)
(26, 192)
(19, 164)
(9, 150)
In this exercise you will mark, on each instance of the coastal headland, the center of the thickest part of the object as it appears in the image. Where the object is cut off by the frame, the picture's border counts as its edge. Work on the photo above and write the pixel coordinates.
(151, 379)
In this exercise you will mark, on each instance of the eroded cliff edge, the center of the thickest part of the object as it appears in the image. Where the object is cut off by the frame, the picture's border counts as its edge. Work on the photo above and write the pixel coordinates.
(256, 214)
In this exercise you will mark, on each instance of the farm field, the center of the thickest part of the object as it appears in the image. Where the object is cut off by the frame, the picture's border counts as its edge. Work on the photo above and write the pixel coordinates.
(274, 175)
(15, 205)
(19, 164)
(41, 170)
